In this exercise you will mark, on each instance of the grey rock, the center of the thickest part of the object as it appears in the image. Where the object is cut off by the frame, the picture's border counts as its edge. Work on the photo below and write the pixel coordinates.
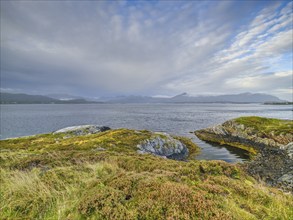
(289, 149)
(163, 145)
(100, 149)
(82, 130)
(287, 179)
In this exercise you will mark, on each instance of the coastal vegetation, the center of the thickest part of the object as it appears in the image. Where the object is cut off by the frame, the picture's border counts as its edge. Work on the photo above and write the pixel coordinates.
(267, 127)
(250, 133)
(102, 176)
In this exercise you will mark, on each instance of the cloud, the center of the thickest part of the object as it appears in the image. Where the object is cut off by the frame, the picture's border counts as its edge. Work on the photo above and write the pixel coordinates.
(281, 43)
(264, 83)
(99, 48)
(243, 64)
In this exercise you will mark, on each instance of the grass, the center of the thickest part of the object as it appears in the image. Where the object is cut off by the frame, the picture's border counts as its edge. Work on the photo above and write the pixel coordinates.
(55, 177)
(193, 149)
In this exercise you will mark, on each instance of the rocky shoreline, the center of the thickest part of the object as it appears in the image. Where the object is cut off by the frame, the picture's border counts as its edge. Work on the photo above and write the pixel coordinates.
(269, 140)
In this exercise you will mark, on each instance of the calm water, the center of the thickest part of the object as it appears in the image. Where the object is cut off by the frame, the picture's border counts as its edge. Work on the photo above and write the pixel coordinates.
(177, 119)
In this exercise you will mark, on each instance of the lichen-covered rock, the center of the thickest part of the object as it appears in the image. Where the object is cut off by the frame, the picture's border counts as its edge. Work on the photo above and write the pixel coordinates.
(287, 180)
(289, 149)
(270, 139)
(162, 144)
(82, 130)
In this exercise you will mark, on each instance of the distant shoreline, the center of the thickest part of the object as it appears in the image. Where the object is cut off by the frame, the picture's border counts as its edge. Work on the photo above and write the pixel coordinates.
(278, 103)
(287, 103)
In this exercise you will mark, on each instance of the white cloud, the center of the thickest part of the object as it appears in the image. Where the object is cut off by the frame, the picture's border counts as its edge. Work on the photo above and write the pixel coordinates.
(145, 47)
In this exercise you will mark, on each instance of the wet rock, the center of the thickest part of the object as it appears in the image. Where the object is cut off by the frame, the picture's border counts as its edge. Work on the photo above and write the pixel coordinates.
(163, 145)
(82, 130)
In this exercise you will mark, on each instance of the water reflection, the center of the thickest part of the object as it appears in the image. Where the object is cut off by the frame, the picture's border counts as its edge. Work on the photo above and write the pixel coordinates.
(214, 151)
(243, 154)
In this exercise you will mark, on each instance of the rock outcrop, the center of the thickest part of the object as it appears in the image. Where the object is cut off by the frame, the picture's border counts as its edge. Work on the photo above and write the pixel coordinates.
(237, 134)
(162, 144)
(82, 130)
(271, 141)
(157, 143)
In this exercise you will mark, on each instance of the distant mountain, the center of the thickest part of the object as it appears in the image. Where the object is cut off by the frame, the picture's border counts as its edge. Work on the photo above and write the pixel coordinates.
(184, 94)
(233, 98)
(9, 98)
(185, 98)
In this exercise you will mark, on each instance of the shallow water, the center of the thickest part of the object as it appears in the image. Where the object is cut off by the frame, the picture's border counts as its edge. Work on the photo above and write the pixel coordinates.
(177, 119)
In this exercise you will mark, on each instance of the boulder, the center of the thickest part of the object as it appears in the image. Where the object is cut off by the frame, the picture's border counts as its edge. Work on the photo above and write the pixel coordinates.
(287, 180)
(289, 149)
(82, 130)
(163, 145)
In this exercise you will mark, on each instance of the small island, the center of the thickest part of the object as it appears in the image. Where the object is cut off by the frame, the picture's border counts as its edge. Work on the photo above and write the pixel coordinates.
(94, 172)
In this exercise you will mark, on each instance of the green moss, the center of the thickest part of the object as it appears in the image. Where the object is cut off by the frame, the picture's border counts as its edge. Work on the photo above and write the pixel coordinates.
(52, 177)
(120, 139)
(214, 139)
(252, 151)
(267, 125)
(193, 149)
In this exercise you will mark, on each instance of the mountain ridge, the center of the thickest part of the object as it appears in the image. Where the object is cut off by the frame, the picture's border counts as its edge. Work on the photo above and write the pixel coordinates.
(186, 98)
(21, 98)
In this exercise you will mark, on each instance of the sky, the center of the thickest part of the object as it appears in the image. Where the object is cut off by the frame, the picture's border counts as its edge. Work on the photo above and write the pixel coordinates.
(150, 48)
